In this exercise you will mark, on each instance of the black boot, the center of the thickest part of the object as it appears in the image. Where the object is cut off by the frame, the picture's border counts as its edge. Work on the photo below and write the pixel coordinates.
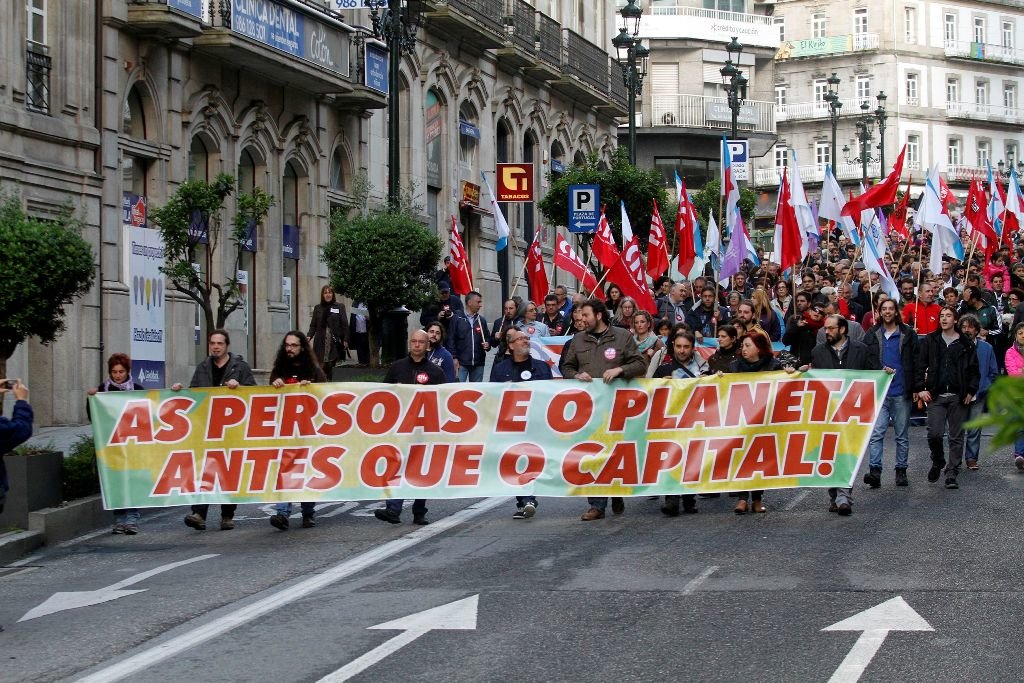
(671, 506)
(873, 477)
(690, 505)
(901, 477)
(938, 459)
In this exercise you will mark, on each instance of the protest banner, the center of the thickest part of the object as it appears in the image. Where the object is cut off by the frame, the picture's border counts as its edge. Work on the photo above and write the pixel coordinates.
(332, 442)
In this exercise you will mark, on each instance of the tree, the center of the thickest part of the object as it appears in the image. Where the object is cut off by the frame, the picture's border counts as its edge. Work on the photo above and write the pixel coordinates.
(45, 265)
(193, 216)
(383, 260)
(623, 181)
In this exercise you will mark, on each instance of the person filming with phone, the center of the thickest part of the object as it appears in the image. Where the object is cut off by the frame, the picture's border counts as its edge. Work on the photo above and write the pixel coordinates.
(15, 430)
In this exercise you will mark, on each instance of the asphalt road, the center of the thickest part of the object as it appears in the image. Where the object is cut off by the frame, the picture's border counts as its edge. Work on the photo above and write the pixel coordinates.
(707, 597)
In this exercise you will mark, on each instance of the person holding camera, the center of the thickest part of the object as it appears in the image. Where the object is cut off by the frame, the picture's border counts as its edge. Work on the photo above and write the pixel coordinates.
(15, 430)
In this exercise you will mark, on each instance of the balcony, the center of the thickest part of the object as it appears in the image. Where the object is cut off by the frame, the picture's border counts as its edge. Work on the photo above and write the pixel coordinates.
(801, 110)
(771, 175)
(37, 80)
(585, 71)
(984, 112)
(957, 173)
(827, 47)
(547, 64)
(708, 25)
(166, 18)
(701, 111)
(308, 50)
(984, 52)
(477, 23)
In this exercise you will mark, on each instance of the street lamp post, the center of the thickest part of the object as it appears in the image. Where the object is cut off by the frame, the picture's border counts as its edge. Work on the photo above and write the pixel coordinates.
(396, 26)
(880, 118)
(1004, 173)
(735, 82)
(632, 56)
(834, 108)
(864, 125)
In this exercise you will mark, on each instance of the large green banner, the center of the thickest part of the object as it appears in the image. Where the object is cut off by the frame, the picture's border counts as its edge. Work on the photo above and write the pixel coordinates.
(332, 442)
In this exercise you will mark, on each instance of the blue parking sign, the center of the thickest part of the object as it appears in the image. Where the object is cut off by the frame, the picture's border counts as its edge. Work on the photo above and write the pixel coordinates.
(584, 205)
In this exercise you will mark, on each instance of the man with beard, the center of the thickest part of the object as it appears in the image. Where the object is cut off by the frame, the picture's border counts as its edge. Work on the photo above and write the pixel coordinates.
(702, 319)
(295, 364)
(839, 352)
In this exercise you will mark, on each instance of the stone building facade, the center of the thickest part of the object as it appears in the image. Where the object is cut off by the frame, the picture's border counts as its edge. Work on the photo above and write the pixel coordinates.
(114, 101)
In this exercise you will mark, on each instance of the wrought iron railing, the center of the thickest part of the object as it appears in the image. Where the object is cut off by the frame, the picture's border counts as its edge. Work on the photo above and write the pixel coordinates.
(585, 60)
(619, 93)
(522, 24)
(549, 34)
(37, 80)
(490, 13)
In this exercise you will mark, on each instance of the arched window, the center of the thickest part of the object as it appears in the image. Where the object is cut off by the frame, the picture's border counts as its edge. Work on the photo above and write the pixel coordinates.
(133, 117)
(469, 142)
(579, 158)
(557, 159)
(339, 170)
(198, 161)
(246, 171)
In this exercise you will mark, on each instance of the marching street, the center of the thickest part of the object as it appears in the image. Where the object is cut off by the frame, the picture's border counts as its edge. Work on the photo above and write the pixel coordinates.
(919, 584)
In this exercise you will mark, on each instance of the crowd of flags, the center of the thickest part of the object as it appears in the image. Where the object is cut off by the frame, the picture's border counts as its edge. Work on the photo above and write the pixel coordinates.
(992, 216)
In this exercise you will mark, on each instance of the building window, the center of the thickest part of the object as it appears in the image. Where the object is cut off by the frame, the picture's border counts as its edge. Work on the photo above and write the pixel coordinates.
(981, 92)
(339, 170)
(781, 156)
(198, 161)
(949, 30)
(953, 151)
(979, 30)
(863, 89)
(780, 95)
(913, 94)
(820, 90)
(1011, 154)
(910, 25)
(984, 153)
(722, 5)
(1010, 97)
(37, 80)
(952, 90)
(822, 153)
(469, 139)
(914, 151)
(819, 25)
(860, 20)
(780, 23)
(36, 21)
(1007, 39)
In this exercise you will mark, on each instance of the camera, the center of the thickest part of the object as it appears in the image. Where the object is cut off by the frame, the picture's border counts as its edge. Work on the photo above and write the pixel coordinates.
(8, 383)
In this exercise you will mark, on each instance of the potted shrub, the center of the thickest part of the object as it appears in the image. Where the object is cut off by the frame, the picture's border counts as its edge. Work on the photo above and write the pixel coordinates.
(34, 473)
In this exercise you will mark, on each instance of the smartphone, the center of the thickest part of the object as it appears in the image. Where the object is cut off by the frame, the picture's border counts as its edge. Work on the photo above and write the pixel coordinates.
(8, 383)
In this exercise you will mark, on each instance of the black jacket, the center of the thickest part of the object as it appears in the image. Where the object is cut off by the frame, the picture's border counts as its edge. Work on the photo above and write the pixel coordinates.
(800, 340)
(908, 352)
(857, 356)
(958, 362)
(236, 369)
(328, 330)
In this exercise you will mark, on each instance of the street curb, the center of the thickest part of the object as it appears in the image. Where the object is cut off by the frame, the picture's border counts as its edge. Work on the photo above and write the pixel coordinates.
(18, 544)
(73, 519)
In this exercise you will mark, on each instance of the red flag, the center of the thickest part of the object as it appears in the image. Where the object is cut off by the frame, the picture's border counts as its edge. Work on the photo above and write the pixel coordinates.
(628, 273)
(882, 194)
(684, 229)
(458, 267)
(946, 196)
(976, 213)
(567, 260)
(605, 251)
(657, 247)
(898, 218)
(536, 276)
(788, 241)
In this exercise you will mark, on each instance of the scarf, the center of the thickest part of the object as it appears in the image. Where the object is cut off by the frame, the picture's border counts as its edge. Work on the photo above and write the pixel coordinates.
(760, 365)
(111, 385)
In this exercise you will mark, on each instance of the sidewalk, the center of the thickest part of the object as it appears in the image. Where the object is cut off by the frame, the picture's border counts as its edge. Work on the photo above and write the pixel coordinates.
(60, 438)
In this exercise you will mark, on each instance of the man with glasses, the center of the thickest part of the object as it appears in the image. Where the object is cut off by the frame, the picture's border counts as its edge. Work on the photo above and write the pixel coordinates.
(520, 366)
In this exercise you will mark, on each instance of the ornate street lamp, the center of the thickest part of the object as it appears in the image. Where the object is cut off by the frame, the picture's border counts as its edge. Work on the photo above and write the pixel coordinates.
(395, 22)
(880, 117)
(734, 81)
(632, 56)
(865, 123)
(834, 109)
(1006, 173)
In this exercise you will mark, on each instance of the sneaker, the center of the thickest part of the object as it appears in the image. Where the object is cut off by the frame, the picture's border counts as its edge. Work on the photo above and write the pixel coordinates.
(131, 529)
(951, 483)
(420, 520)
(845, 509)
(618, 506)
(1018, 460)
(195, 521)
(901, 477)
(117, 528)
(520, 514)
(934, 472)
(529, 510)
(227, 523)
(873, 477)
(308, 522)
(385, 515)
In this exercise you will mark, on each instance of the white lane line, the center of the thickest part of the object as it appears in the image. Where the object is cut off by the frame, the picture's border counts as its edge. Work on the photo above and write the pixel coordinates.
(22, 562)
(337, 511)
(202, 633)
(696, 582)
(797, 499)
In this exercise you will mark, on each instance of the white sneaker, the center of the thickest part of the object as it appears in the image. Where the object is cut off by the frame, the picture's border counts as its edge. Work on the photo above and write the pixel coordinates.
(529, 510)
(1019, 462)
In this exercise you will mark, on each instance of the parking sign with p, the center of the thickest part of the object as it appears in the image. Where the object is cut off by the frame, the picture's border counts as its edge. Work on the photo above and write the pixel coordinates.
(584, 202)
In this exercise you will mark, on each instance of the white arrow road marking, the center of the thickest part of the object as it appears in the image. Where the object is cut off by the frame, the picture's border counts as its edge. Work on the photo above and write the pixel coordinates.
(455, 616)
(196, 634)
(891, 615)
(59, 602)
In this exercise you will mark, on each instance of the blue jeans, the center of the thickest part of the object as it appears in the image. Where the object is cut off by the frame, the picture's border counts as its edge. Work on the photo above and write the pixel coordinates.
(471, 374)
(127, 516)
(895, 409)
(419, 506)
(972, 438)
(1018, 445)
(308, 509)
(523, 500)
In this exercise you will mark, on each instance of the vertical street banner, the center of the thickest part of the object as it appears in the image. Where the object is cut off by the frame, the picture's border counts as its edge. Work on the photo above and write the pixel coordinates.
(365, 441)
(146, 313)
(243, 294)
